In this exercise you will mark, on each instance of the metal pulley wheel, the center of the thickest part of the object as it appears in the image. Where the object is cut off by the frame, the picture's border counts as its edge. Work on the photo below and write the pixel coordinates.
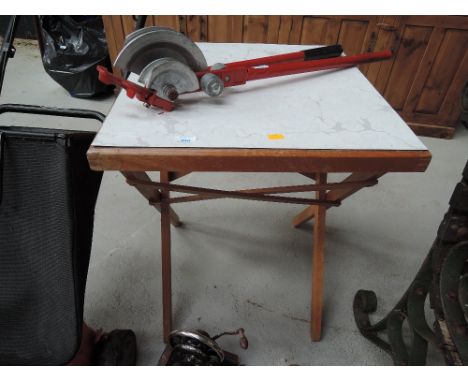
(151, 43)
(169, 78)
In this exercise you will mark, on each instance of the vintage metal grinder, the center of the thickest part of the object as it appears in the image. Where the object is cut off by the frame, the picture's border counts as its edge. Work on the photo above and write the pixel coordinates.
(169, 64)
(197, 348)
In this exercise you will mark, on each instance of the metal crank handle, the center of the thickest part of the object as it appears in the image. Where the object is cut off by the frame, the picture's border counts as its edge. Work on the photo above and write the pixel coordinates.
(149, 97)
(244, 343)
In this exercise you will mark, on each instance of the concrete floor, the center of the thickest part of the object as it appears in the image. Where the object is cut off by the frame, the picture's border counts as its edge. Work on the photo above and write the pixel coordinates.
(241, 263)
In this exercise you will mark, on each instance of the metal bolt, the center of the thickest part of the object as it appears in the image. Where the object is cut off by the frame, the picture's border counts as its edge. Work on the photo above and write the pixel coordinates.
(170, 92)
(211, 84)
(227, 78)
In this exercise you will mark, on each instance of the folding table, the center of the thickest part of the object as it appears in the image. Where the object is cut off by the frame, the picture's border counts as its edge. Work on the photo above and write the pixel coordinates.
(312, 124)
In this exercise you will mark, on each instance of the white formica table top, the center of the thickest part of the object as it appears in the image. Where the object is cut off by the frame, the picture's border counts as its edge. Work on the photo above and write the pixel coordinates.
(337, 110)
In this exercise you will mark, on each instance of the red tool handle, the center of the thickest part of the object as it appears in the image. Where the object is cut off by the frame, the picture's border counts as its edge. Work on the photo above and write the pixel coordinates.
(134, 90)
(303, 55)
(239, 75)
(287, 68)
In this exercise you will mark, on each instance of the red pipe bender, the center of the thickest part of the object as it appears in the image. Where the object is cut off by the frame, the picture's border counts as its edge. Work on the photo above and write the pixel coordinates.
(239, 72)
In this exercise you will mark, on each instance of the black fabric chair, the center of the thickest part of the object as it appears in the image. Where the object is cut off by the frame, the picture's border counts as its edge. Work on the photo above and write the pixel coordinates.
(47, 199)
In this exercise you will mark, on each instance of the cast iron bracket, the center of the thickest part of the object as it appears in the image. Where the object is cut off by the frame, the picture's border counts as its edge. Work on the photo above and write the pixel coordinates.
(443, 277)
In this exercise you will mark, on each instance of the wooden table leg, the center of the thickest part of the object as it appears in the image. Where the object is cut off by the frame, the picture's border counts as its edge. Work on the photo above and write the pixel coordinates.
(317, 264)
(166, 258)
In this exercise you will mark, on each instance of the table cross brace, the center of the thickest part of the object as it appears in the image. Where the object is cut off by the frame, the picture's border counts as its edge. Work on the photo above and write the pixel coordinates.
(259, 194)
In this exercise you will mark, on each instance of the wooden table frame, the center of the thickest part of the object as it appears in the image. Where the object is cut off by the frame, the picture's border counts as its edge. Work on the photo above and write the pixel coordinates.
(172, 163)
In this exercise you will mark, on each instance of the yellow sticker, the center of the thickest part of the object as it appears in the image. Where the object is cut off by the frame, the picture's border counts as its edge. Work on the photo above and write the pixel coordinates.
(275, 137)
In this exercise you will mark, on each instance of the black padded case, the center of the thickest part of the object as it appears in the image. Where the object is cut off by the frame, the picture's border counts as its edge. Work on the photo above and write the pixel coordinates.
(47, 199)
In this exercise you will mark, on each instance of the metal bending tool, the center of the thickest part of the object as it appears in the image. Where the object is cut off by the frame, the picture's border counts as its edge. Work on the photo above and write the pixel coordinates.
(169, 64)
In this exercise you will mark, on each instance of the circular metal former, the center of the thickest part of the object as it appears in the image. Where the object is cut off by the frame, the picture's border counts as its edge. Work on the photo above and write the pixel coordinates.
(169, 78)
(197, 339)
(141, 31)
(151, 43)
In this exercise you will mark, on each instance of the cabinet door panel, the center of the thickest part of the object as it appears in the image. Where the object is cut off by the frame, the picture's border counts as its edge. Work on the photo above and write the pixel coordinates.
(225, 28)
(357, 35)
(112, 44)
(314, 30)
(290, 29)
(128, 24)
(450, 110)
(408, 57)
(352, 34)
(386, 37)
(446, 63)
(168, 21)
(255, 29)
(320, 30)
(197, 28)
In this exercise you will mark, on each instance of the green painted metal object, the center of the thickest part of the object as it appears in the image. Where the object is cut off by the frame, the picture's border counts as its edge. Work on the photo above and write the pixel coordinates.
(443, 278)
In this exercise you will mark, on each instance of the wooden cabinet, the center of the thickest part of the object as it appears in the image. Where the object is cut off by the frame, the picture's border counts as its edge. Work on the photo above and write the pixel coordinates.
(423, 81)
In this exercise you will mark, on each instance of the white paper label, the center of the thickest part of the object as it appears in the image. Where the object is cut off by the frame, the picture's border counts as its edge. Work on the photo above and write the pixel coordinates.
(186, 139)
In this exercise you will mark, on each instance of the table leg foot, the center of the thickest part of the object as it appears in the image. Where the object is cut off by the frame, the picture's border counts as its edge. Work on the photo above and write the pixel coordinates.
(304, 216)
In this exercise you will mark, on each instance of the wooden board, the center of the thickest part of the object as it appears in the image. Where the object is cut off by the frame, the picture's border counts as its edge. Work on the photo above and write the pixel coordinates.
(244, 160)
